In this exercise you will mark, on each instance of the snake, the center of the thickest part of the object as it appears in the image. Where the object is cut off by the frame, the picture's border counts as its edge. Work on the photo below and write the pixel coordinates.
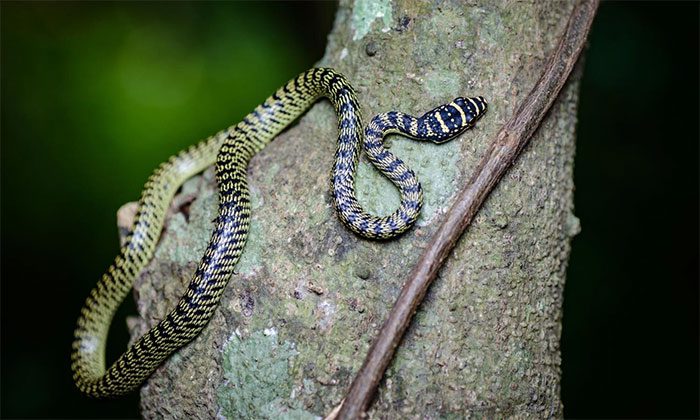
(231, 151)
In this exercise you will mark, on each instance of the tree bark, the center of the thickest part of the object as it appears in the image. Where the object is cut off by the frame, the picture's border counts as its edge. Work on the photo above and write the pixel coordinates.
(298, 317)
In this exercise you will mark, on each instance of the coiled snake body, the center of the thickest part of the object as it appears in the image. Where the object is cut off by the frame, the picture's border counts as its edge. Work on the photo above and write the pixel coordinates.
(232, 150)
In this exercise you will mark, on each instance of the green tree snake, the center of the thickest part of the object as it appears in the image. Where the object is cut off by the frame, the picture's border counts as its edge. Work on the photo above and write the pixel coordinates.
(232, 150)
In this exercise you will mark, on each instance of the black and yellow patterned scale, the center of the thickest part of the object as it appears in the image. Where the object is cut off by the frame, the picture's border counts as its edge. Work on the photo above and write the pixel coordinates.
(232, 150)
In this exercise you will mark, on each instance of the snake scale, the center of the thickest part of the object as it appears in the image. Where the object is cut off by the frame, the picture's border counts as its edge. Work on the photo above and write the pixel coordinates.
(232, 150)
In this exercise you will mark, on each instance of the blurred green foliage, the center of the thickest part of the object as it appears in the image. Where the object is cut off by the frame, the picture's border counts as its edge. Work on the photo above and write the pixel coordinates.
(95, 95)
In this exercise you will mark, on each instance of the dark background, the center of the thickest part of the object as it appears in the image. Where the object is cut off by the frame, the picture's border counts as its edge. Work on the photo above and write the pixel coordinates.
(95, 95)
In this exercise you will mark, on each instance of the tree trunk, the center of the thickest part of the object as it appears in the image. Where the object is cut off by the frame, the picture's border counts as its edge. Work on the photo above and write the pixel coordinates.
(298, 317)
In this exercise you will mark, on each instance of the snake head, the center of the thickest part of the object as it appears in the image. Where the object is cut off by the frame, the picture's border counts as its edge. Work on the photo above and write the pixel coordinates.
(469, 109)
(448, 121)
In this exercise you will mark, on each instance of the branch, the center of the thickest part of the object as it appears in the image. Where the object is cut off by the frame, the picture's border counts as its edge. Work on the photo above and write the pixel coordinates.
(501, 155)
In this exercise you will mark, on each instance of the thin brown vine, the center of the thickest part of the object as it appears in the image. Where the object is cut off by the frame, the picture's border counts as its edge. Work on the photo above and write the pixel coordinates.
(502, 153)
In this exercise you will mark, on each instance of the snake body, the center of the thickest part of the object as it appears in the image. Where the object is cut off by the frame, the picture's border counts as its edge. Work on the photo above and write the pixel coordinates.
(232, 150)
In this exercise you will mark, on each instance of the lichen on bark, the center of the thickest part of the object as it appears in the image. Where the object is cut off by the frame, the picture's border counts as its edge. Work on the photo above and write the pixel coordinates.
(486, 340)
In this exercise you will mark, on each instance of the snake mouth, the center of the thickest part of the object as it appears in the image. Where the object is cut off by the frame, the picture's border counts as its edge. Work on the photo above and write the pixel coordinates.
(480, 104)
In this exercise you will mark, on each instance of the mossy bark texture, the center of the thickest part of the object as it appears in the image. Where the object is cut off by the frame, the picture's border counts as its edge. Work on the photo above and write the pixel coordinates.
(298, 317)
